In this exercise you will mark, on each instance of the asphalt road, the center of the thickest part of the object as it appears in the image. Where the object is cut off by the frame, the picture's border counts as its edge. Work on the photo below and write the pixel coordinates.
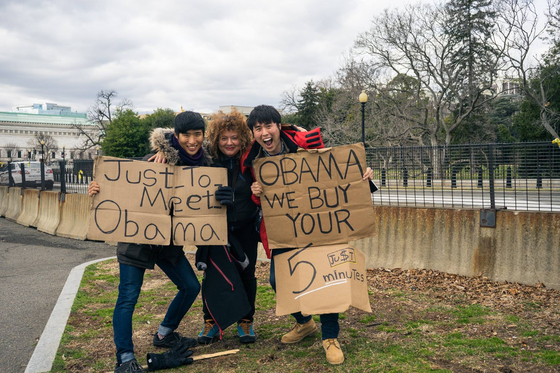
(33, 269)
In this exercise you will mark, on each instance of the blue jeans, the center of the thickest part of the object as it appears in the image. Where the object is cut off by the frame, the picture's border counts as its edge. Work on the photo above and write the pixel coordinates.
(131, 279)
(329, 321)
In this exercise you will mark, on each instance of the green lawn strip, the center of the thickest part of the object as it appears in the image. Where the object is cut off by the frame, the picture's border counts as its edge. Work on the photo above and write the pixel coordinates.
(410, 332)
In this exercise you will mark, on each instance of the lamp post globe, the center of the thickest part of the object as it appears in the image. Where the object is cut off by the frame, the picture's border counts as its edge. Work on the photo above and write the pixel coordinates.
(363, 99)
(42, 150)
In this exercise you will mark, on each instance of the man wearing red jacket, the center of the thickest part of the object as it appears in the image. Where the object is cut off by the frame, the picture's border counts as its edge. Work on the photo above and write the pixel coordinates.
(271, 138)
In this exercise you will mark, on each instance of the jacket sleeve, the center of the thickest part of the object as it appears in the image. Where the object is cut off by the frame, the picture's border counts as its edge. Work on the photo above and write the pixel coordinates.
(307, 140)
(160, 142)
(256, 199)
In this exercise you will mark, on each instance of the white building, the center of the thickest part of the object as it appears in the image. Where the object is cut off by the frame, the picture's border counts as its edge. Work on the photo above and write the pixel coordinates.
(19, 128)
(226, 109)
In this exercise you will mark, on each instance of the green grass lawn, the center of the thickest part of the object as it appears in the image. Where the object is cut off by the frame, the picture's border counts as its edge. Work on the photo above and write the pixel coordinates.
(418, 324)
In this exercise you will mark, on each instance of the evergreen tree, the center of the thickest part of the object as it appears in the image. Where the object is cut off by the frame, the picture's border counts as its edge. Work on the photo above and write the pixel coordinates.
(127, 136)
(470, 24)
(308, 105)
(160, 118)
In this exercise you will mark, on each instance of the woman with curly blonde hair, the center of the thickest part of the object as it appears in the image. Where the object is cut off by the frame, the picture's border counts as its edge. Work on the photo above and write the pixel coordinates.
(228, 138)
(219, 125)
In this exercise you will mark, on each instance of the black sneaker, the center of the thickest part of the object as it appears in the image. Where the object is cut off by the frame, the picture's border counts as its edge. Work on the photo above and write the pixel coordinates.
(131, 366)
(174, 339)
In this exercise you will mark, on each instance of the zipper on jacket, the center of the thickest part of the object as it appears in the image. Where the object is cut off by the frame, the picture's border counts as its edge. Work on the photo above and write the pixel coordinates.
(222, 273)
(227, 253)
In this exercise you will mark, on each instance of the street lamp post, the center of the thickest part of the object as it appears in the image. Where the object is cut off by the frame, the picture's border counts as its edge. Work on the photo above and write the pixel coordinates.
(363, 99)
(63, 171)
(42, 165)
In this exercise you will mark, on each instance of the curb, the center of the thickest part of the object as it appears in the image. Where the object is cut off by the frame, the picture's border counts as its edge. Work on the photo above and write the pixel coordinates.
(45, 351)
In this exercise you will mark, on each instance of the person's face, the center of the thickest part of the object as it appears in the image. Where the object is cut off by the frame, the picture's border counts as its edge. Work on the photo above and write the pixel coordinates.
(229, 143)
(268, 136)
(191, 141)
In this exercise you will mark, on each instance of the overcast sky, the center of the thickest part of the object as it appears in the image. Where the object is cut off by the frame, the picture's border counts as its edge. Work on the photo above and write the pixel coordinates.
(199, 54)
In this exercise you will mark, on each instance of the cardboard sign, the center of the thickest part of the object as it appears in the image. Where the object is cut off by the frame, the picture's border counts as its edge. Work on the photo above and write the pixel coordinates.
(315, 196)
(319, 280)
(155, 203)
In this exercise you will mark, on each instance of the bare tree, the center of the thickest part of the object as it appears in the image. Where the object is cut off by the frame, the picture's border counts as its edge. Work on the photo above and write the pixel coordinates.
(412, 44)
(101, 115)
(49, 145)
(521, 16)
(289, 100)
(11, 148)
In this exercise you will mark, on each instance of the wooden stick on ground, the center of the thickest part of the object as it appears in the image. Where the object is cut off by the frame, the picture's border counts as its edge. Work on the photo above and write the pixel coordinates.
(217, 354)
(208, 356)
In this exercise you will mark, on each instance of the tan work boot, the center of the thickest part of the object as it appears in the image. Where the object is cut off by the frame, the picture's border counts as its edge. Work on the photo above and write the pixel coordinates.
(299, 332)
(334, 353)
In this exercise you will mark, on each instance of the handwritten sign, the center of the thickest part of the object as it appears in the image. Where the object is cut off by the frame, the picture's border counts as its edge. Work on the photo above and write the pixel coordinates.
(318, 280)
(315, 196)
(154, 203)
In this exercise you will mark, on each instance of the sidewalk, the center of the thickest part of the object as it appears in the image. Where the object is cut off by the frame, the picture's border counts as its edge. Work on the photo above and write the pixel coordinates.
(45, 351)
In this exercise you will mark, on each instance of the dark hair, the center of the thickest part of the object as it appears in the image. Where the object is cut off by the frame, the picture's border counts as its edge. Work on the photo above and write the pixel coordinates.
(263, 114)
(234, 121)
(188, 120)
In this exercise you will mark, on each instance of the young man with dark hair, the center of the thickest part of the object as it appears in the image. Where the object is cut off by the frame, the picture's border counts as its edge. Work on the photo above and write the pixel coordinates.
(181, 146)
(271, 139)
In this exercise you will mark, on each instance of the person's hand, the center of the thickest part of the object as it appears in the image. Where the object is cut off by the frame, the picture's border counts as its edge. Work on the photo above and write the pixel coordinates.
(93, 188)
(368, 175)
(300, 129)
(257, 189)
(158, 158)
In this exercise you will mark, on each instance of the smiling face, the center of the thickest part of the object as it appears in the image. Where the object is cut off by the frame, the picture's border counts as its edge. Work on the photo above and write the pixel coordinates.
(268, 136)
(191, 141)
(229, 143)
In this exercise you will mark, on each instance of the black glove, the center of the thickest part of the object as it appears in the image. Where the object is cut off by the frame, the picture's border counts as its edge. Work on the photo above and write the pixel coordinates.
(224, 195)
(201, 266)
(177, 356)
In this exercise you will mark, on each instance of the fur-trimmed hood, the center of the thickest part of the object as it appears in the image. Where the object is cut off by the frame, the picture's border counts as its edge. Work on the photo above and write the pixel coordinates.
(161, 139)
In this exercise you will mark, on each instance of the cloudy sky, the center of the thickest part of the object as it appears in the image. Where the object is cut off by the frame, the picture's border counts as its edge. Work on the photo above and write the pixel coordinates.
(198, 54)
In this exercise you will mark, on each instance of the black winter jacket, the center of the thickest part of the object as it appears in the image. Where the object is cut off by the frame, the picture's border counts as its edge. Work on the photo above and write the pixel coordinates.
(243, 209)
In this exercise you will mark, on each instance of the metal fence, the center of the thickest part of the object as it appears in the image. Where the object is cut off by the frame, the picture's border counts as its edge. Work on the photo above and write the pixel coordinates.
(520, 176)
(73, 177)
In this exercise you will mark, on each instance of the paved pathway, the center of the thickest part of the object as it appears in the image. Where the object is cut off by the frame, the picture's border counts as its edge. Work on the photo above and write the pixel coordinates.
(34, 267)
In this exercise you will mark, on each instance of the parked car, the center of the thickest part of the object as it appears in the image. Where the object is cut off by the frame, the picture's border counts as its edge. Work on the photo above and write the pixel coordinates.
(32, 174)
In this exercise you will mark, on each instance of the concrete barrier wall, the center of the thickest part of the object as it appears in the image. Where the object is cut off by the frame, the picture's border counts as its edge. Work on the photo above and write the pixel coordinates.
(524, 246)
(14, 203)
(74, 216)
(49, 212)
(29, 208)
(3, 200)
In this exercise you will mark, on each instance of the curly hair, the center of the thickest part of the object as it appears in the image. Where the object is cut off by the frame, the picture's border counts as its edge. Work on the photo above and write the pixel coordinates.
(221, 122)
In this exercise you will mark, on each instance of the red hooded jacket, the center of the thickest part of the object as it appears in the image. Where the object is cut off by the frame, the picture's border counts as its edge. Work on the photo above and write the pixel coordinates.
(293, 139)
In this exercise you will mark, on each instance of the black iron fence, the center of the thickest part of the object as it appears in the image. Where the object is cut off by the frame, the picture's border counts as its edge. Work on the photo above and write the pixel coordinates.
(73, 177)
(520, 176)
